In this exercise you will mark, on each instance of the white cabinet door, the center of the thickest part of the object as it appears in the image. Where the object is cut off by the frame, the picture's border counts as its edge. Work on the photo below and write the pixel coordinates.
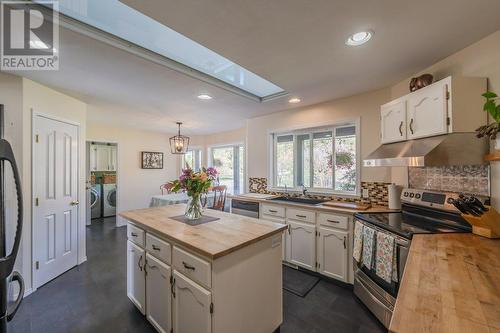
(191, 306)
(393, 121)
(93, 157)
(112, 158)
(102, 157)
(158, 294)
(332, 253)
(301, 245)
(136, 279)
(428, 111)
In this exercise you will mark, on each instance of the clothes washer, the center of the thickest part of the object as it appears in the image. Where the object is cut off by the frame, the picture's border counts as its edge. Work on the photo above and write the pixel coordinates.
(109, 197)
(96, 201)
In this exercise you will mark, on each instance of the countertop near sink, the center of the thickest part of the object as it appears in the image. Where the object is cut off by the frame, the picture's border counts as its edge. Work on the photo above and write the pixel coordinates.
(451, 283)
(327, 209)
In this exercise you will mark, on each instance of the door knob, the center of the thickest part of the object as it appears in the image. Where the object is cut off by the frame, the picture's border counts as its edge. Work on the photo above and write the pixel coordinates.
(74, 203)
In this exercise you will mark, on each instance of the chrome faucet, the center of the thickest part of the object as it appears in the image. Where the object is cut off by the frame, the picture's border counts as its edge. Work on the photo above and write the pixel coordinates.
(304, 190)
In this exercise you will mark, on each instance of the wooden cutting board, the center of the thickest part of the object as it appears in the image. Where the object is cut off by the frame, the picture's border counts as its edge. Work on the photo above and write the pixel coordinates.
(348, 205)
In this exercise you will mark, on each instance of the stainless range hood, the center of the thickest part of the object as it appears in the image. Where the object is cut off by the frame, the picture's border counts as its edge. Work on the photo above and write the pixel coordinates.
(449, 149)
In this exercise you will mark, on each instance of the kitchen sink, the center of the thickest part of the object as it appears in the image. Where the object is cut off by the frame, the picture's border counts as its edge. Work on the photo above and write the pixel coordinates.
(306, 201)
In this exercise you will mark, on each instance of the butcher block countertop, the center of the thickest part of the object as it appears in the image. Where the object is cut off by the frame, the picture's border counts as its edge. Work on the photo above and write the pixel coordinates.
(213, 239)
(451, 283)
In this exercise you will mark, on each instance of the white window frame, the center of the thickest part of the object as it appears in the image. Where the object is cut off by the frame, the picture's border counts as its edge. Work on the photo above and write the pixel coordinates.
(272, 138)
(192, 148)
(210, 159)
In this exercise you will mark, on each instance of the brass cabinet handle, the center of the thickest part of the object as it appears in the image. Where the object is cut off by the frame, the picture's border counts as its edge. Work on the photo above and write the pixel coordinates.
(156, 248)
(401, 128)
(187, 266)
(411, 125)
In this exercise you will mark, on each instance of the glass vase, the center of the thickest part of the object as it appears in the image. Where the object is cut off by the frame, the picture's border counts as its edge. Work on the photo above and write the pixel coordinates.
(194, 208)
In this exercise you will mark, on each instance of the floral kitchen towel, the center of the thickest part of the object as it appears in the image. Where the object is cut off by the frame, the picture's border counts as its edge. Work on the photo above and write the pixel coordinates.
(368, 247)
(384, 260)
(358, 241)
(395, 265)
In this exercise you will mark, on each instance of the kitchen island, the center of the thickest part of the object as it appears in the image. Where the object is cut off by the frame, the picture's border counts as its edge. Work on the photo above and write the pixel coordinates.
(221, 276)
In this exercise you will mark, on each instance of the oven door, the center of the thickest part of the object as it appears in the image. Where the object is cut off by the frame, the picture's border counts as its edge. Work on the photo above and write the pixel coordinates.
(402, 249)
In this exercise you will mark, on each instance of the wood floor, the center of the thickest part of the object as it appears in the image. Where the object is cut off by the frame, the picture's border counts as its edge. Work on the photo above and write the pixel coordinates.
(92, 298)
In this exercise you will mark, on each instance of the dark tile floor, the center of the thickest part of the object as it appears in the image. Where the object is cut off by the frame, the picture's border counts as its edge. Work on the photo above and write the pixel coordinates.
(92, 298)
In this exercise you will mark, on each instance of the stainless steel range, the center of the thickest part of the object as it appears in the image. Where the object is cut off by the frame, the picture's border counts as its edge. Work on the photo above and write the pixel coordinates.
(423, 212)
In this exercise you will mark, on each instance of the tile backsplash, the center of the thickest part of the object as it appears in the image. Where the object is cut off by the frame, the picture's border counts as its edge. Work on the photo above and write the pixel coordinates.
(474, 179)
(377, 192)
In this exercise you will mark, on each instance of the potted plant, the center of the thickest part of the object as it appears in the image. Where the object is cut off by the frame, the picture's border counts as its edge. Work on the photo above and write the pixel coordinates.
(491, 130)
(195, 184)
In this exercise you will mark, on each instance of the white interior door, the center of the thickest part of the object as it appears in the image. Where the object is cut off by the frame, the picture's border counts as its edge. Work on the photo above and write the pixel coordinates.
(55, 198)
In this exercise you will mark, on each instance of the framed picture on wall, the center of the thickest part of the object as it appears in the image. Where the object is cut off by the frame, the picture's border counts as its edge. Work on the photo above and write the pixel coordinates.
(152, 160)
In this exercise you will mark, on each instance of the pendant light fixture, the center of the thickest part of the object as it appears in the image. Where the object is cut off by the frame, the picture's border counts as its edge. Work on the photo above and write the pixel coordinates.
(179, 143)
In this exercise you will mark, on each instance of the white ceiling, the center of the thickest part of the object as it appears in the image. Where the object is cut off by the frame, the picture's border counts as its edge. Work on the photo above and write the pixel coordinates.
(296, 44)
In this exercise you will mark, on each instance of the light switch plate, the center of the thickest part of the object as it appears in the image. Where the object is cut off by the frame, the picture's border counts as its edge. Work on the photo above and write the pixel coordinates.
(365, 193)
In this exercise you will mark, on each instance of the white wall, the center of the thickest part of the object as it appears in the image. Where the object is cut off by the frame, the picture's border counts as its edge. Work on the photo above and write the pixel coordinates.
(136, 186)
(365, 106)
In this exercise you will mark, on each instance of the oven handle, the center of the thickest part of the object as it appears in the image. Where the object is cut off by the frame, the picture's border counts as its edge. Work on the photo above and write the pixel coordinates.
(373, 297)
(399, 240)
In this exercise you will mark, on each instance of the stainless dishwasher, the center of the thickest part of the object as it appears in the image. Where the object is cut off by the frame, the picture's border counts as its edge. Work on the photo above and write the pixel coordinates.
(246, 208)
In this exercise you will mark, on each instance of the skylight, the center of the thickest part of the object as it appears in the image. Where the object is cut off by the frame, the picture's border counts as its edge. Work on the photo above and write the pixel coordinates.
(118, 19)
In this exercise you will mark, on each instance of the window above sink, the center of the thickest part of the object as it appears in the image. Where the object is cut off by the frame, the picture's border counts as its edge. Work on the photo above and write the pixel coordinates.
(323, 159)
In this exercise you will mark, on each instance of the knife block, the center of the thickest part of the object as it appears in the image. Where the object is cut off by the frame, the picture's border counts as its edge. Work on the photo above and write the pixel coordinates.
(486, 225)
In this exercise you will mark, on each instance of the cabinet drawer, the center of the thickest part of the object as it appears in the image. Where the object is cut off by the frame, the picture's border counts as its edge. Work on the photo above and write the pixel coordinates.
(135, 235)
(193, 267)
(272, 210)
(301, 215)
(334, 221)
(158, 248)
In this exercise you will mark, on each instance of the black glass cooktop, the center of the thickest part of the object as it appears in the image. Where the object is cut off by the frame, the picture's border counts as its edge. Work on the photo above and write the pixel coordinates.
(416, 221)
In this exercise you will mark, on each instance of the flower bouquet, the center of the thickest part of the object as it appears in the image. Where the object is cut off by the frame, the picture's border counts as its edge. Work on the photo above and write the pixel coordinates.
(195, 184)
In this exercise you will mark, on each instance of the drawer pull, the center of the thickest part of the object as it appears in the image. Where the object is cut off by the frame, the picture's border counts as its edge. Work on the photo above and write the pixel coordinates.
(139, 263)
(133, 234)
(301, 216)
(333, 221)
(156, 248)
(273, 211)
(187, 266)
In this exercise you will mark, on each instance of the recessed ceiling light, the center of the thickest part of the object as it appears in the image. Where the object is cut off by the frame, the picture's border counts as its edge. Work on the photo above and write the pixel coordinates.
(359, 38)
(205, 96)
(294, 100)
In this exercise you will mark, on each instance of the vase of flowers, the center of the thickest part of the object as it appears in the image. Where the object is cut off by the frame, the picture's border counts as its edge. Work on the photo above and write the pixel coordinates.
(491, 130)
(195, 184)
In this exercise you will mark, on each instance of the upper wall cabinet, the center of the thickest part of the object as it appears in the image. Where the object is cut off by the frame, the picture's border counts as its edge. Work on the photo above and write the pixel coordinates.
(102, 157)
(393, 117)
(427, 112)
(453, 104)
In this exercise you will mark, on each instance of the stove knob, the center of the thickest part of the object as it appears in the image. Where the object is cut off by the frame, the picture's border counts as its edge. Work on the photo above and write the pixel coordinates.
(412, 195)
(405, 194)
(417, 196)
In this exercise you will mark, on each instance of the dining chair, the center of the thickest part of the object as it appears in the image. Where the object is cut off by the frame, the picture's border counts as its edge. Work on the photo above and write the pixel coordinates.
(220, 193)
(167, 187)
